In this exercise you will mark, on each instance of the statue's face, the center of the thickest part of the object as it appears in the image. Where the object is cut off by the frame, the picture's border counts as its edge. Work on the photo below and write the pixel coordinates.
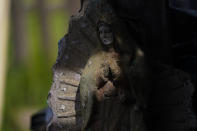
(106, 34)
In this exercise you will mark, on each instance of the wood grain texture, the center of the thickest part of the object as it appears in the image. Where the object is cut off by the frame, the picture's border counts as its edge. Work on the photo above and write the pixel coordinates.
(117, 89)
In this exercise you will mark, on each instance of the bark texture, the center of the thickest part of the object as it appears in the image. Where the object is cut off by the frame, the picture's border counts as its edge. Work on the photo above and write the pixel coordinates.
(112, 87)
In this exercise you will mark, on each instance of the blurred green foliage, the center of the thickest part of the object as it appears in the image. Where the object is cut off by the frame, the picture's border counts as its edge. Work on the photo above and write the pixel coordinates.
(28, 82)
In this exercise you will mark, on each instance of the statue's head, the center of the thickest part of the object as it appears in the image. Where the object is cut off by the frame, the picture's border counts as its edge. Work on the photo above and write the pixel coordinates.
(105, 33)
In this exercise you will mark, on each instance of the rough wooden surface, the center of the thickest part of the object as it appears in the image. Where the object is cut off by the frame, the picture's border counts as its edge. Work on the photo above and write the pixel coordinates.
(75, 51)
(112, 88)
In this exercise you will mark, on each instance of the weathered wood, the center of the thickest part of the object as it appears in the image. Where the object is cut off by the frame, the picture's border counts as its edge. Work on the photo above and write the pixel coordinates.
(116, 87)
(82, 48)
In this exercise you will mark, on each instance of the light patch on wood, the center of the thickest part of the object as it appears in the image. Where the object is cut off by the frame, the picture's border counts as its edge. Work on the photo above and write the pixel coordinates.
(140, 53)
(67, 78)
(67, 114)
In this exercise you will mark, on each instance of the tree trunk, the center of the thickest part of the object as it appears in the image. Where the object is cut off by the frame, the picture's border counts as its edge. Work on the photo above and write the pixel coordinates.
(4, 20)
(102, 80)
(19, 31)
